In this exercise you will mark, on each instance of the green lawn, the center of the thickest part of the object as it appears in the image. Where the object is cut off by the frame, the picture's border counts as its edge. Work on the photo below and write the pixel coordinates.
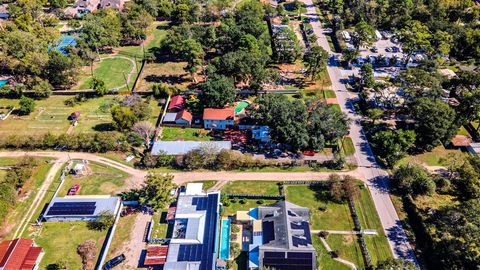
(160, 227)
(232, 208)
(60, 240)
(378, 246)
(328, 94)
(335, 216)
(348, 148)
(30, 188)
(102, 180)
(436, 157)
(122, 235)
(336, 107)
(113, 71)
(252, 187)
(347, 247)
(325, 261)
(184, 134)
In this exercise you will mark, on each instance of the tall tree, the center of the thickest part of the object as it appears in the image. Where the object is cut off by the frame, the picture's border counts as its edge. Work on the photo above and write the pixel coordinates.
(434, 122)
(218, 91)
(156, 191)
(315, 60)
(364, 35)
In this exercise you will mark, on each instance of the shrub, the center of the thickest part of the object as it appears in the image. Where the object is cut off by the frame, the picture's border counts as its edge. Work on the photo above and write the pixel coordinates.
(323, 234)
(243, 201)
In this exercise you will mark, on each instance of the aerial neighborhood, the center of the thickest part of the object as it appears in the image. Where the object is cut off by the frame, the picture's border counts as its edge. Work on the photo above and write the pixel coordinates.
(239, 134)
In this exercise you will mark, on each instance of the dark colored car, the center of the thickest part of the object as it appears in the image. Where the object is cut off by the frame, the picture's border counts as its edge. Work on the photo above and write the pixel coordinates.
(114, 262)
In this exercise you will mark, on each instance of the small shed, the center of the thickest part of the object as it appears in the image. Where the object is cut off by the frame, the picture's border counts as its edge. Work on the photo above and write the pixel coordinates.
(79, 169)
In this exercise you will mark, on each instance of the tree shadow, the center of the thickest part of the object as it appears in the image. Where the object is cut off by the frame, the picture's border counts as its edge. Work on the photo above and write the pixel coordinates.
(104, 127)
(170, 79)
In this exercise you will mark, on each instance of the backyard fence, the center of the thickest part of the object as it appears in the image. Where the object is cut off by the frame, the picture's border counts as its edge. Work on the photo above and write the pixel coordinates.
(256, 196)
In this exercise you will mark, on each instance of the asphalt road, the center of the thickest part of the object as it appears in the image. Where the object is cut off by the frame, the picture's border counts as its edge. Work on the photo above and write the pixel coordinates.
(375, 178)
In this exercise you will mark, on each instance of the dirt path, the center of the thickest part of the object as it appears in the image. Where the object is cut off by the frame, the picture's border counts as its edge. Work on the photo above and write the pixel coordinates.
(348, 263)
(39, 197)
(133, 248)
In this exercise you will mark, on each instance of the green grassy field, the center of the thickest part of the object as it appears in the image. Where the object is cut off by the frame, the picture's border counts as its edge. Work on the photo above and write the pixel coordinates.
(325, 261)
(347, 247)
(160, 227)
(184, 134)
(335, 217)
(436, 157)
(60, 240)
(113, 71)
(378, 246)
(101, 180)
(252, 187)
(348, 148)
(122, 235)
(30, 188)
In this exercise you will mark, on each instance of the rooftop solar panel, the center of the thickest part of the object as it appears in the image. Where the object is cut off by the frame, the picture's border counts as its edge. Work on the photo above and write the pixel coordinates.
(294, 260)
(72, 208)
(268, 231)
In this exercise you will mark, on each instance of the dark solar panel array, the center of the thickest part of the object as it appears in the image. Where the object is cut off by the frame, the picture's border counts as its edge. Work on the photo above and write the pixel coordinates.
(201, 203)
(306, 229)
(204, 252)
(72, 208)
(268, 231)
(293, 260)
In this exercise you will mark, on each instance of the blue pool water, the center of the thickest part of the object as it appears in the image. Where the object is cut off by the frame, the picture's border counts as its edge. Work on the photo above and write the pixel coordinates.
(3, 82)
(225, 240)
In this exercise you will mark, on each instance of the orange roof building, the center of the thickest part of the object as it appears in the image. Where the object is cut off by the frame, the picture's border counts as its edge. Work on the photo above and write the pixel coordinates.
(218, 118)
(19, 254)
(177, 103)
(156, 255)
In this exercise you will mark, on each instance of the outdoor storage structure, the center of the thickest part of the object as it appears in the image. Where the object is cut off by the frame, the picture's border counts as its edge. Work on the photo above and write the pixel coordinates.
(179, 118)
(19, 254)
(218, 118)
(194, 243)
(81, 208)
(177, 103)
(156, 255)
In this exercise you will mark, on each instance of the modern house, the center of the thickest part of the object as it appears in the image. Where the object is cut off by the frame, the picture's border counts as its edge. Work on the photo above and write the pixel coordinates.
(177, 103)
(19, 254)
(81, 208)
(280, 237)
(115, 4)
(182, 117)
(194, 241)
(218, 118)
(178, 148)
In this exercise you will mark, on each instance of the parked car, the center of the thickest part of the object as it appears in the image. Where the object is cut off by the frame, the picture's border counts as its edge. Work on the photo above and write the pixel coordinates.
(114, 262)
(388, 49)
(309, 153)
(74, 189)
(374, 49)
(395, 49)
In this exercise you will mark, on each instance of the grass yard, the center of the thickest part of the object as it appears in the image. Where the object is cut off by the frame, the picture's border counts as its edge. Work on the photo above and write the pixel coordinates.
(113, 71)
(67, 235)
(233, 207)
(156, 110)
(325, 261)
(347, 247)
(252, 187)
(335, 217)
(378, 246)
(185, 134)
(160, 226)
(328, 94)
(164, 72)
(436, 157)
(51, 115)
(31, 187)
(122, 235)
(101, 180)
(348, 148)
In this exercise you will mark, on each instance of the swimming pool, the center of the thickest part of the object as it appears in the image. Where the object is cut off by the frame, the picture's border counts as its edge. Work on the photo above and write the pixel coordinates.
(64, 41)
(3, 82)
(225, 240)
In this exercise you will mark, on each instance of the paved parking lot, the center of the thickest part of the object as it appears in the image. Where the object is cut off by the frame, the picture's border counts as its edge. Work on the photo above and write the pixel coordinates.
(382, 45)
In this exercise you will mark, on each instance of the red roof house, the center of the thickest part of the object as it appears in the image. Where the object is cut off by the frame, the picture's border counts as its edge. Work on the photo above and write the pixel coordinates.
(177, 103)
(19, 254)
(156, 255)
(218, 118)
